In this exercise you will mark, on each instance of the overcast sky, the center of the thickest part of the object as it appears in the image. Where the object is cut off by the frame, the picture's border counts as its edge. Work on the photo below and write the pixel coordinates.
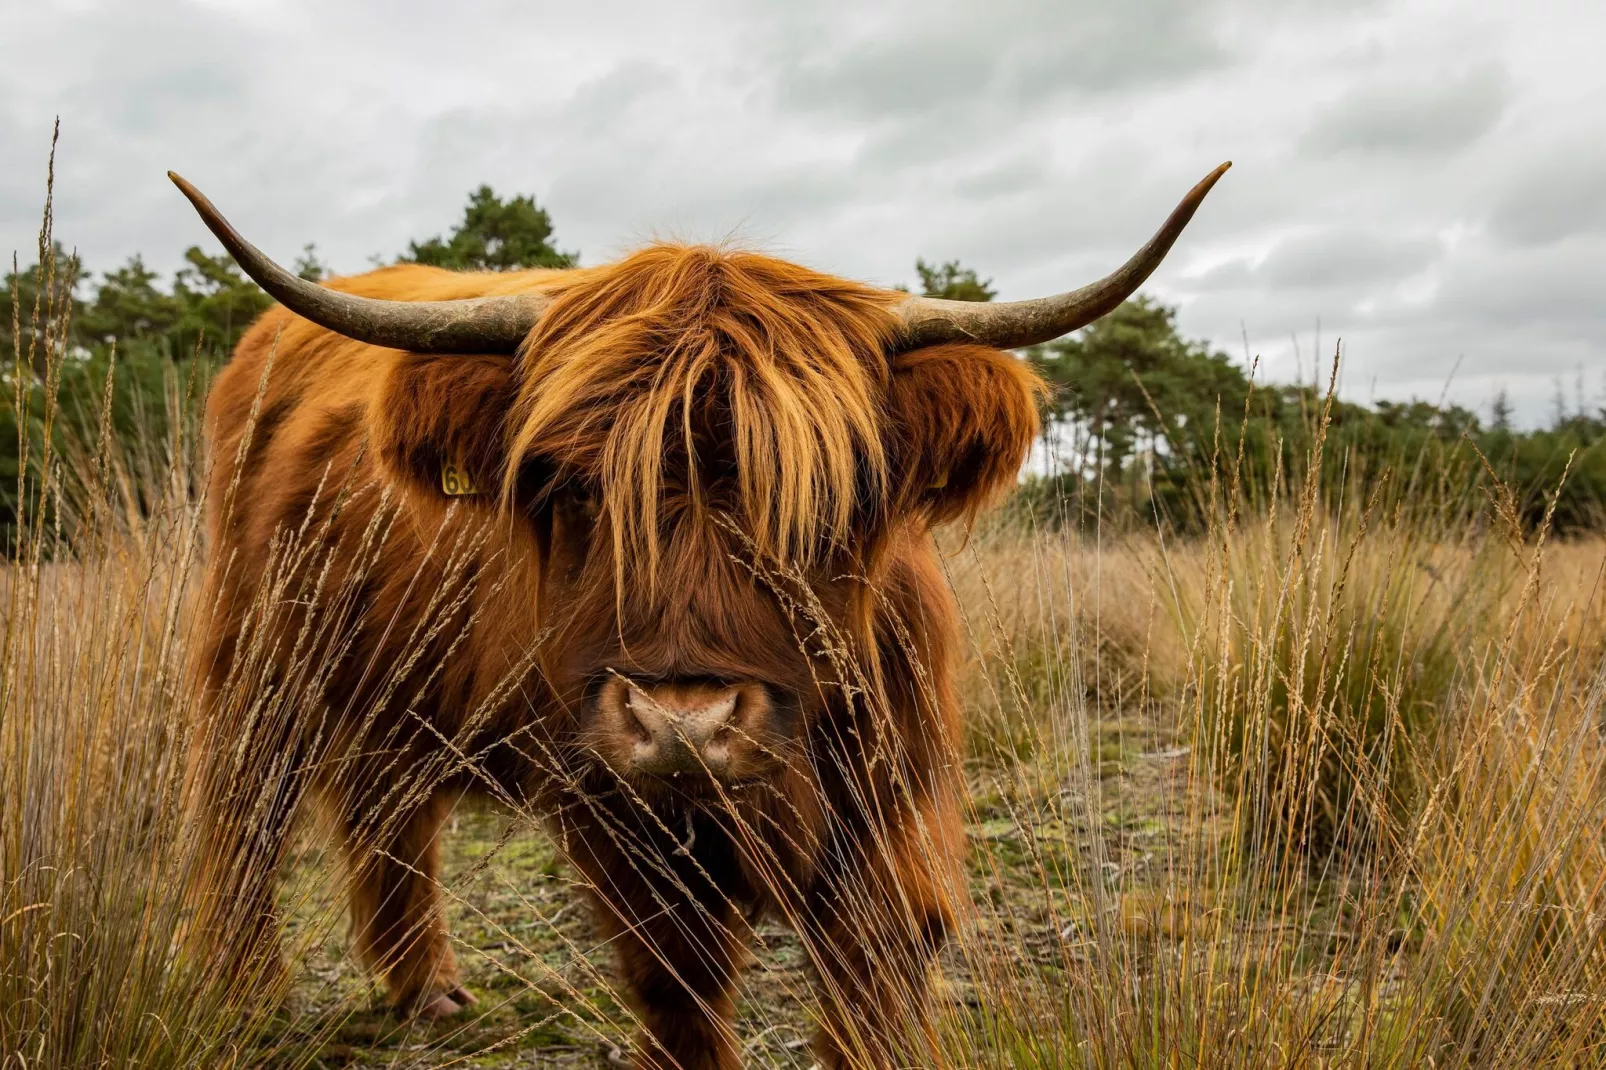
(1427, 178)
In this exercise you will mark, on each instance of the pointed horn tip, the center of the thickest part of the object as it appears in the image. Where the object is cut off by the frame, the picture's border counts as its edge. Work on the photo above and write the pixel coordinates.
(193, 195)
(1211, 179)
(1197, 194)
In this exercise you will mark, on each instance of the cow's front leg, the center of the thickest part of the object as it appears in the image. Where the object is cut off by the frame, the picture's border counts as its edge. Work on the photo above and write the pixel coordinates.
(396, 917)
(680, 940)
(874, 924)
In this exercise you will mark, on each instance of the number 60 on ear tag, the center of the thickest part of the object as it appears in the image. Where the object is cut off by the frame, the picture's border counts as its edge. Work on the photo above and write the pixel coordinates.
(455, 481)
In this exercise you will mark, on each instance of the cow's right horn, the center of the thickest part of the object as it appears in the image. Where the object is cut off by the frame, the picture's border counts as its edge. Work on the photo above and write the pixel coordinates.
(472, 325)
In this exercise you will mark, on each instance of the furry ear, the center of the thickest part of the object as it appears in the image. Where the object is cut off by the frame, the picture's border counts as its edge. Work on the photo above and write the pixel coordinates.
(962, 419)
(439, 423)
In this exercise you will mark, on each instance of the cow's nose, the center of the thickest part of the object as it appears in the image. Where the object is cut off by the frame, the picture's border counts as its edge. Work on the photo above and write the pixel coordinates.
(681, 728)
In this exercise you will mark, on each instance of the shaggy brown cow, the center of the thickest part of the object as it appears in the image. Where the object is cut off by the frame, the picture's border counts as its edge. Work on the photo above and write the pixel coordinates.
(647, 547)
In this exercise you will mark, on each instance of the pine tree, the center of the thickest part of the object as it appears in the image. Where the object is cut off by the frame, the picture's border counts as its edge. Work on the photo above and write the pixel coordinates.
(495, 235)
(953, 282)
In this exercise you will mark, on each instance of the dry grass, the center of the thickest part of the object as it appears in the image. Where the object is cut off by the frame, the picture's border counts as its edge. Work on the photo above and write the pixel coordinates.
(1322, 788)
(1381, 843)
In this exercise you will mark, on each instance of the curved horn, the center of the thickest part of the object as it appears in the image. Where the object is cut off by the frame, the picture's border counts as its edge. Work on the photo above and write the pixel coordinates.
(472, 325)
(929, 321)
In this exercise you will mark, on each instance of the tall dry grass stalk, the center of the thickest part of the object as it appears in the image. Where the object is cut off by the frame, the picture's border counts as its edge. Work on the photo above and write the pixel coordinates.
(92, 745)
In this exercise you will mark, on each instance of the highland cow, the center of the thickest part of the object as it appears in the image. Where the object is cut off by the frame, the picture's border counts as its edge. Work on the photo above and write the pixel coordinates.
(647, 547)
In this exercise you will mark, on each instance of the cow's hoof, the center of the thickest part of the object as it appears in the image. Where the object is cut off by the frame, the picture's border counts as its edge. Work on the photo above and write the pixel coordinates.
(438, 1008)
(463, 997)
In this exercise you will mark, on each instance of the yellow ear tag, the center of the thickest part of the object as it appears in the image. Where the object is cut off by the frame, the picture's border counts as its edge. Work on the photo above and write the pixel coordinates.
(455, 481)
(939, 483)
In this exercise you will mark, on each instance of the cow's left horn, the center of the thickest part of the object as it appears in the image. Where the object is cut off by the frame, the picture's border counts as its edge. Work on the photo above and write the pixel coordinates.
(929, 321)
(472, 325)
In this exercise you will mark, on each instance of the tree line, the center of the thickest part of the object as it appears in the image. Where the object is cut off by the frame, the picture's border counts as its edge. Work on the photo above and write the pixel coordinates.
(1150, 416)
(1139, 422)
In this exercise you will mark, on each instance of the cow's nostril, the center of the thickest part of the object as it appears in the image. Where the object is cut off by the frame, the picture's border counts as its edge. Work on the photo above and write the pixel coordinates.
(633, 721)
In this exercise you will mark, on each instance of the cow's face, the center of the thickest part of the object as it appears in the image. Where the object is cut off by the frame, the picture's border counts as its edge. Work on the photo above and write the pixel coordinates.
(691, 672)
(712, 497)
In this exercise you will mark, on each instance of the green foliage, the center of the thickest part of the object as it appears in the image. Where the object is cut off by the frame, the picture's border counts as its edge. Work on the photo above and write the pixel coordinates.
(147, 393)
(128, 334)
(495, 235)
(218, 303)
(208, 307)
(1142, 420)
(953, 282)
(34, 301)
(130, 307)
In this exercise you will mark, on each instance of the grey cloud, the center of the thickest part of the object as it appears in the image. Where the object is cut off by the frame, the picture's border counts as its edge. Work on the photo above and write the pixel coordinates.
(26, 146)
(1497, 319)
(1330, 258)
(1167, 43)
(1098, 214)
(1003, 178)
(955, 57)
(1349, 256)
(610, 99)
(1556, 290)
(1556, 193)
(1414, 117)
(151, 87)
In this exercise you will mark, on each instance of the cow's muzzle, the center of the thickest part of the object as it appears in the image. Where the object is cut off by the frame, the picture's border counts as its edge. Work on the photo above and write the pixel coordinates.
(682, 728)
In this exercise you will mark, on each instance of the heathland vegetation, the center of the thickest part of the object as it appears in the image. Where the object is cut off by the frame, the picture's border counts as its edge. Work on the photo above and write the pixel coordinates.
(1284, 734)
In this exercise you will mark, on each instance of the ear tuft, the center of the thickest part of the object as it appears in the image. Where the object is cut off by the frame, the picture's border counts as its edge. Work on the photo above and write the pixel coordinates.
(963, 421)
(445, 415)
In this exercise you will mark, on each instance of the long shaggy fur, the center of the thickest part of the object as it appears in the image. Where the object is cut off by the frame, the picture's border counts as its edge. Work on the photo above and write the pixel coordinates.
(782, 368)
